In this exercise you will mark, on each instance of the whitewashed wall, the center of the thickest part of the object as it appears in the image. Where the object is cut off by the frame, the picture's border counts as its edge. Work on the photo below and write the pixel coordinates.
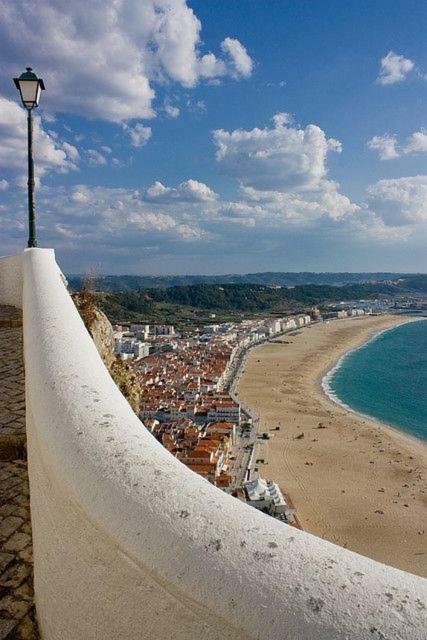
(129, 544)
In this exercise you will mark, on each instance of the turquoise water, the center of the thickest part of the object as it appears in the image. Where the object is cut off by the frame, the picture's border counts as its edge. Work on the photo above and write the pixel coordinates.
(387, 378)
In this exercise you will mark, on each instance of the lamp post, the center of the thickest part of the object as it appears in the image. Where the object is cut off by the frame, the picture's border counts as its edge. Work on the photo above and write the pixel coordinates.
(30, 88)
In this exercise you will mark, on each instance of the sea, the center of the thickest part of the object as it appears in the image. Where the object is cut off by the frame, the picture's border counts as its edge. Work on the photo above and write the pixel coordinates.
(386, 378)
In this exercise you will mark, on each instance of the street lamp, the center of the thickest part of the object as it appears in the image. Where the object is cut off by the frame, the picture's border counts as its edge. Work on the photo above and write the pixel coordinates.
(30, 88)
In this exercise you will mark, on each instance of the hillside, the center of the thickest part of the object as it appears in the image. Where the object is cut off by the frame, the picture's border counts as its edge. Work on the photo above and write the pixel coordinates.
(135, 283)
(196, 303)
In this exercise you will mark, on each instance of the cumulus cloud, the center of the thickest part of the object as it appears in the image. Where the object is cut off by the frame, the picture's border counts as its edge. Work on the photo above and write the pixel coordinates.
(417, 142)
(4, 185)
(240, 62)
(85, 213)
(71, 151)
(113, 52)
(139, 134)
(95, 158)
(284, 181)
(394, 68)
(172, 112)
(187, 191)
(276, 158)
(52, 154)
(283, 191)
(389, 149)
(400, 201)
(385, 145)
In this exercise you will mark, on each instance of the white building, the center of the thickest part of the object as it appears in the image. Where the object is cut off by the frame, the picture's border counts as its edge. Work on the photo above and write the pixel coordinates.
(165, 330)
(136, 328)
(274, 327)
(290, 324)
(141, 349)
(129, 347)
(224, 412)
(267, 497)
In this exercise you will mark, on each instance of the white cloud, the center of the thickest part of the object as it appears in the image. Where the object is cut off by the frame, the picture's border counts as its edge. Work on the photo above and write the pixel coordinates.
(284, 182)
(278, 158)
(139, 134)
(394, 68)
(101, 222)
(52, 155)
(86, 207)
(113, 52)
(417, 142)
(4, 185)
(385, 145)
(389, 149)
(241, 63)
(400, 201)
(172, 112)
(106, 149)
(95, 158)
(71, 151)
(280, 84)
(187, 191)
(299, 207)
(282, 118)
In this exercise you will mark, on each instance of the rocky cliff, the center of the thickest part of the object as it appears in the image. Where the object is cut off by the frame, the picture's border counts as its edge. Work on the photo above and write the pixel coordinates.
(100, 329)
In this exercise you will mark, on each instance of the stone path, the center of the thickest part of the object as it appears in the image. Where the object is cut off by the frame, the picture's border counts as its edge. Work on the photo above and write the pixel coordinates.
(17, 612)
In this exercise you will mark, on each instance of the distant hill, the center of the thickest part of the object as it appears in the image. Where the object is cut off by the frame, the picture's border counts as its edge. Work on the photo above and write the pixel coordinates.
(232, 300)
(136, 283)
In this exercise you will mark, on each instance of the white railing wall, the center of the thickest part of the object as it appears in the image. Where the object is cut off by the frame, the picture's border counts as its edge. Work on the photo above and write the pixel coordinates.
(130, 544)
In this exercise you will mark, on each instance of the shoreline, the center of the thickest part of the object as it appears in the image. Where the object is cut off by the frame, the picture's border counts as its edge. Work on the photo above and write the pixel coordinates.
(323, 384)
(354, 480)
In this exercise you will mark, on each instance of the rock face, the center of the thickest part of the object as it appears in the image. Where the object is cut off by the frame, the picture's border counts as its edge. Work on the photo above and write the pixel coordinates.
(125, 378)
(102, 334)
(100, 329)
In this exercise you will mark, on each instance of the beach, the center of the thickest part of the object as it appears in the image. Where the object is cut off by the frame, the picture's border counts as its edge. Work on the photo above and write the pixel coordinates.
(353, 480)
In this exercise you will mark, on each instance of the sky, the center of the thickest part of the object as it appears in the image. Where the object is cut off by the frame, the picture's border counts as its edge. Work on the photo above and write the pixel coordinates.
(188, 137)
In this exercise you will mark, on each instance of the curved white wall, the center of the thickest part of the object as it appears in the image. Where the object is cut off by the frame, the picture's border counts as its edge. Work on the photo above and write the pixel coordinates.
(130, 544)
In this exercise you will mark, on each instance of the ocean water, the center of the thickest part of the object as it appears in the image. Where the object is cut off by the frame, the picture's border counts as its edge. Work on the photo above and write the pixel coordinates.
(386, 378)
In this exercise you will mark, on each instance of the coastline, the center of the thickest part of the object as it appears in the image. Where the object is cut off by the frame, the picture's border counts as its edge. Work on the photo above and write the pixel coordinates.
(326, 376)
(354, 480)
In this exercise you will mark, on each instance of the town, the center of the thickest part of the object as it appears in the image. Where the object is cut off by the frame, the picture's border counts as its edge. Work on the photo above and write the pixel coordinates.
(188, 403)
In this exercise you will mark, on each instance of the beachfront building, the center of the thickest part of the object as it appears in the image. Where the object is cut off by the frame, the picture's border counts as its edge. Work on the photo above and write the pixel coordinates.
(315, 314)
(342, 313)
(289, 323)
(273, 326)
(267, 497)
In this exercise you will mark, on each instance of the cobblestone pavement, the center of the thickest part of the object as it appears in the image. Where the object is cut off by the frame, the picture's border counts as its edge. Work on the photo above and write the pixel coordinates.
(17, 613)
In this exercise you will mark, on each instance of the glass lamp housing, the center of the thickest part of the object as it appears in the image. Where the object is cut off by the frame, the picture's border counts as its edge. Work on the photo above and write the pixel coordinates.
(30, 88)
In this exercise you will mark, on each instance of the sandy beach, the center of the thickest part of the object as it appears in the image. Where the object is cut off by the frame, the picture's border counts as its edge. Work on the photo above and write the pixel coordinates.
(354, 481)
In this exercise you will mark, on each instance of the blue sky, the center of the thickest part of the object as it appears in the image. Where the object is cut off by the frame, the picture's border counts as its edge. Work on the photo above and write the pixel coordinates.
(214, 137)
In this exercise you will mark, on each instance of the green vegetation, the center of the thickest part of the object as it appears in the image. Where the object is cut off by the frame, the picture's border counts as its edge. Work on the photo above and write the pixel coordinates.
(195, 304)
(135, 283)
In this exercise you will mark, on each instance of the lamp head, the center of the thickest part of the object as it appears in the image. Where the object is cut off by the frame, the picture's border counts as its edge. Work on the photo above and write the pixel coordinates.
(30, 88)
